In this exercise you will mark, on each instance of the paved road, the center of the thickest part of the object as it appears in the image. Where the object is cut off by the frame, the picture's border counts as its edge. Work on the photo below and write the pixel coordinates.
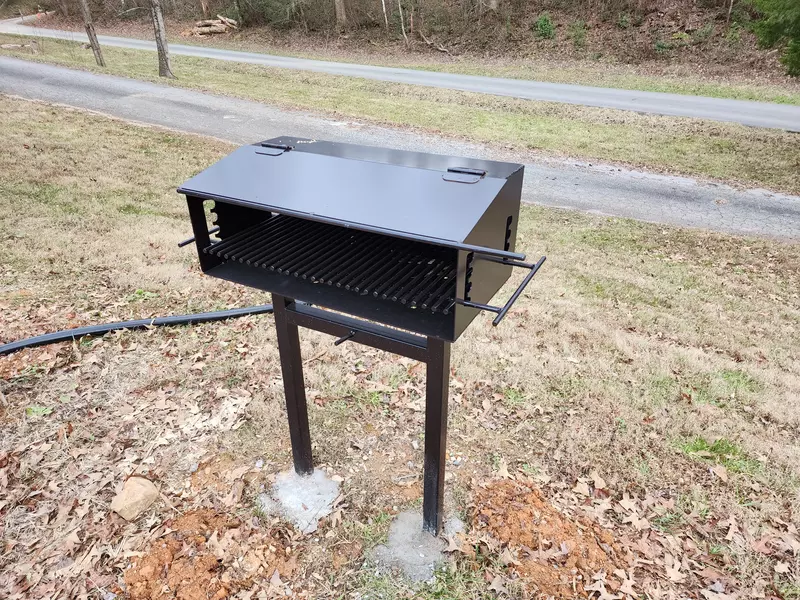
(599, 189)
(756, 114)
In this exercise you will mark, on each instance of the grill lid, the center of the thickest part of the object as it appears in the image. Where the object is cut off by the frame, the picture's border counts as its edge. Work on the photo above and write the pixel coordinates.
(395, 199)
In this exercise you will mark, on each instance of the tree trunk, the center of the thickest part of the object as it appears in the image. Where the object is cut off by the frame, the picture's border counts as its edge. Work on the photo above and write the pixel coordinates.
(341, 14)
(239, 14)
(87, 21)
(402, 21)
(64, 8)
(164, 68)
(385, 16)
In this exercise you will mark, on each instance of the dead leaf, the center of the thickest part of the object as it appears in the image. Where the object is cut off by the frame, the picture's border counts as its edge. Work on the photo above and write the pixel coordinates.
(599, 482)
(673, 568)
(628, 503)
(600, 588)
(507, 557)
(235, 495)
(502, 470)
(721, 472)
(581, 487)
(783, 567)
(497, 585)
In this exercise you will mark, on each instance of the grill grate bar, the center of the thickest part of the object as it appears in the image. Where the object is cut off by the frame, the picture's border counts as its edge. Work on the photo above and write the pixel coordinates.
(280, 248)
(381, 275)
(364, 263)
(260, 246)
(402, 278)
(229, 241)
(442, 290)
(309, 249)
(340, 258)
(408, 291)
(445, 277)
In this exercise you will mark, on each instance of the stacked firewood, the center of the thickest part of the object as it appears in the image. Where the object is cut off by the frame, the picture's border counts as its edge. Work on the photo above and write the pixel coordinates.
(212, 26)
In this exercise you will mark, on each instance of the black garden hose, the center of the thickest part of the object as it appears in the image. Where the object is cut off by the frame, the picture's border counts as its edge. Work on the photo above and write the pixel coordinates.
(72, 334)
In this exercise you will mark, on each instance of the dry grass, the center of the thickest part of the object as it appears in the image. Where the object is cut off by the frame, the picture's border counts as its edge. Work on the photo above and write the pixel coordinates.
(645, 353)
(700, 75)
(760, 157)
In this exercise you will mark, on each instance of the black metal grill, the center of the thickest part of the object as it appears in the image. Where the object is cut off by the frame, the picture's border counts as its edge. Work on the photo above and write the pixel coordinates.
(416, 241)
(416, 275)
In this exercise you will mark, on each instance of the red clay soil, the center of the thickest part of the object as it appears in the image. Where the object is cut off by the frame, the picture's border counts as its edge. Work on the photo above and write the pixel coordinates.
(206, 556)
(558, 554)
(179, 566)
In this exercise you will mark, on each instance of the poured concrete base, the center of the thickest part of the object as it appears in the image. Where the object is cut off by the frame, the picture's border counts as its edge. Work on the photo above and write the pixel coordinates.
(412, 551)
(301, 499)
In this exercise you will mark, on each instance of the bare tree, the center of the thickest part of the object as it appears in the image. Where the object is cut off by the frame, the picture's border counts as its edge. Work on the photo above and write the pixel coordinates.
(87, 22)
(164, 68)
(402, 21)
(385, 16)
(341, 14)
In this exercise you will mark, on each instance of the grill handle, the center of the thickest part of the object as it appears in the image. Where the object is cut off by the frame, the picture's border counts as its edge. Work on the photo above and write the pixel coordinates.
(502, 310)
(350, 334)
(188, 241)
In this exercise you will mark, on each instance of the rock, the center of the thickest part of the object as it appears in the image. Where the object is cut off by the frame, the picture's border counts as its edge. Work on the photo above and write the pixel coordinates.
(136, 497)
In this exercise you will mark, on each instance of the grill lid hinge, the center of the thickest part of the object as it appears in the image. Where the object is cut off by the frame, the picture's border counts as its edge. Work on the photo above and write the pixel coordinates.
(270, 149)
(464, 175)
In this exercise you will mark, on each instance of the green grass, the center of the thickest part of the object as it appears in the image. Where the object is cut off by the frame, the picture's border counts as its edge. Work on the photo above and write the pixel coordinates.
(766, 158)
(721, 451)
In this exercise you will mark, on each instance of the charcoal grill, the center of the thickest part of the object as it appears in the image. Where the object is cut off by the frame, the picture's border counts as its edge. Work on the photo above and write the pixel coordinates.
(393, 249)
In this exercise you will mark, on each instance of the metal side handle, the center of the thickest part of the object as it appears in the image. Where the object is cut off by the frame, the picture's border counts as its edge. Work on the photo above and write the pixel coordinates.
(188, 241)
(502, 310)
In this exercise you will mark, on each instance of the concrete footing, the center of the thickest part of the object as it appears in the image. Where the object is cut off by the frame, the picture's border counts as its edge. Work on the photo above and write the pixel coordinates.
(302, 500)
(411, 550)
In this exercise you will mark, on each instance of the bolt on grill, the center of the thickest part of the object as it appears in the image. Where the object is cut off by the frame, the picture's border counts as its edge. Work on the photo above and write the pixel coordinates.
(418, 242)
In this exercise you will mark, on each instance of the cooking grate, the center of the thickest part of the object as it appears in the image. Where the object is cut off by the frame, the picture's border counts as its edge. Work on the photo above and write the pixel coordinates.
(417, 275)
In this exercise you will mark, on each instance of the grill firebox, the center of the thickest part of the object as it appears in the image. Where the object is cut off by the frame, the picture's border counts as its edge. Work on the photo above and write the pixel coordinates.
(418, 242)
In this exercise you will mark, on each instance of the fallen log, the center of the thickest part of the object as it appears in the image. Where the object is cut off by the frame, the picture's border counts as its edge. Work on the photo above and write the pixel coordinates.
(229, 22)
(212, 29)
(33, 47)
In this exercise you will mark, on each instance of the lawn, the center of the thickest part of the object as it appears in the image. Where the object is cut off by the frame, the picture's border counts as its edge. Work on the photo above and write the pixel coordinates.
(643, 395)
(733, 153)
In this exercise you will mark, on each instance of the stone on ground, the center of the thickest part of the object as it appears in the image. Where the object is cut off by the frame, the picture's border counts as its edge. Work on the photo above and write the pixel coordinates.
(411, 550)
(301, 499)
(136, 497)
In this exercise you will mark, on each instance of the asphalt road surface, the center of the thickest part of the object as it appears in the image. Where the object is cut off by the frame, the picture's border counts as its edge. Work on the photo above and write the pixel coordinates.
(599, 189)
(755, 114)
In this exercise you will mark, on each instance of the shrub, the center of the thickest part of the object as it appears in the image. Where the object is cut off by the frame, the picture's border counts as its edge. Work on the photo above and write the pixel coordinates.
(702, 34)
(577, 31)
(624, 20)
(544, 27)
(663, 47)
(781, 24)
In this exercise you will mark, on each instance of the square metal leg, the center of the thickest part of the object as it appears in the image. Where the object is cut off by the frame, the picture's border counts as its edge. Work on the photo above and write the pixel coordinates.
(294, 386)
(437, 387)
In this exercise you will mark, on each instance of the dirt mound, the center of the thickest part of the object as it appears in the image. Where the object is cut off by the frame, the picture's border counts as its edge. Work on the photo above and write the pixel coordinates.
(207, 556)
(559, 554)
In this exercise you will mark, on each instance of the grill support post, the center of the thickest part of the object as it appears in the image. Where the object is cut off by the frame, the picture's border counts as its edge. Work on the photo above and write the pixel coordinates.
(294, 387)
(436, 389)
(435, 353)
